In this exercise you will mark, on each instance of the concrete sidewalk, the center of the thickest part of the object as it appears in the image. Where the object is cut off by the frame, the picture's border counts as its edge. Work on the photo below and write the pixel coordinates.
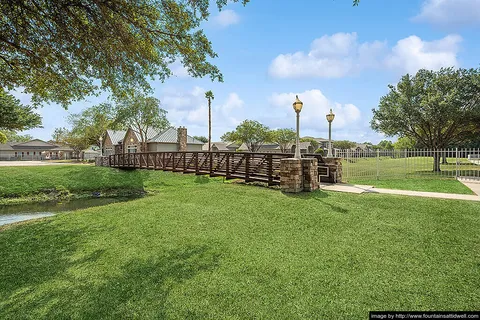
(341, 187)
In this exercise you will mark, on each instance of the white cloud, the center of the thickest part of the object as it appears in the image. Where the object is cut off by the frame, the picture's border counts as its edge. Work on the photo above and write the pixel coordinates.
(342, 55)
(450, 13)
(190, 109)
(315, 108)
(226, 18)
(329, 57)
(412, 53)
(179, 70)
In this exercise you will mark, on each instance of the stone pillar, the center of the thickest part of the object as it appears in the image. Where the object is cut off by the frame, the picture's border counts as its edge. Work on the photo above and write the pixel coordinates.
(335, 168)
(182, 138)
(310, 174)
(291, 178)
(101, 161)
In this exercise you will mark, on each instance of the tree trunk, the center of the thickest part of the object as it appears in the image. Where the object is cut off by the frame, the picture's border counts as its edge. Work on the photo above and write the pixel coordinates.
(209, 125)
(436, 161)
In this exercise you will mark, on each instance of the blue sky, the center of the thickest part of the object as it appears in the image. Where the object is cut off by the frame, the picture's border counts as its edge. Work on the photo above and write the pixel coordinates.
(331, 54)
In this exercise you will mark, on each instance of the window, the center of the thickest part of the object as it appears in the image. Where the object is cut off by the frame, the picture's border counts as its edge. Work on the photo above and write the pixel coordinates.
(131, 149)
(33, 152)
(23, 154)
(16, 154)
(28, 153)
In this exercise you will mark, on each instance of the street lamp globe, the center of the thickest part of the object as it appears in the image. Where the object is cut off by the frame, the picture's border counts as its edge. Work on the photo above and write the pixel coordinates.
(330, 118)
(297, 106)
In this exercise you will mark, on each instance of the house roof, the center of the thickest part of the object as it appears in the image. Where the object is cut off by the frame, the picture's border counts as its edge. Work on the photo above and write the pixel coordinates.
(35, 144)
(5, 147)
(116, 135)
(151, 133)
(169, 135)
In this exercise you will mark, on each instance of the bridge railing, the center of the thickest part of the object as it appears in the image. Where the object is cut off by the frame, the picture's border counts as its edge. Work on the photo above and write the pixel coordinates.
(250, 166)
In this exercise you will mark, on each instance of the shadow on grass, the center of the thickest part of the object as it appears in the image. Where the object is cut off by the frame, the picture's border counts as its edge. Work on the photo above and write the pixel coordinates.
(37, 279)
(202, 179)
(317, 195)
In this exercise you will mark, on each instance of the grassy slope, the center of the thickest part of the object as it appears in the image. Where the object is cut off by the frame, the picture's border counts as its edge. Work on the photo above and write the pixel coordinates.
(417, 184)
(21, 181)
(201, 249)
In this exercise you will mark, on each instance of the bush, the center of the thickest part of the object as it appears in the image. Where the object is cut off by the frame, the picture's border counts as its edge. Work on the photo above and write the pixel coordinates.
(319, 150)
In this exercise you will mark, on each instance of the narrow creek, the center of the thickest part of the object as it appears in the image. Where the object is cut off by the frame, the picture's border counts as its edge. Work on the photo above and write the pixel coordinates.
(16, 213)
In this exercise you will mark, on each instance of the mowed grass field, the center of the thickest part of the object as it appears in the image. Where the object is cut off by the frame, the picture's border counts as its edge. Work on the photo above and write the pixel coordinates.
(388, 167)
(23, 181)
(203, 249)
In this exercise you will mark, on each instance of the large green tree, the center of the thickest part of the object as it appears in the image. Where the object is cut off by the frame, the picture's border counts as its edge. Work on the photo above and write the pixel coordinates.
(284, 138)
(435, 108)
(251, 132)
(343, 144)
(93, 122)
(14, 137)
(61, 50)
(14, 116)
(201, 138)
(141, 114)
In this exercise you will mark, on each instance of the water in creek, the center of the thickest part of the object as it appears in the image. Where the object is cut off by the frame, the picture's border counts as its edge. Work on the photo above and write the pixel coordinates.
(16, 213)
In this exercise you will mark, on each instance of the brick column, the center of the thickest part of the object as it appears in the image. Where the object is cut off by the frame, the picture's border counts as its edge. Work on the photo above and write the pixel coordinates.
(291, 178)
(310, 174)
(182, 139)
(335, 168)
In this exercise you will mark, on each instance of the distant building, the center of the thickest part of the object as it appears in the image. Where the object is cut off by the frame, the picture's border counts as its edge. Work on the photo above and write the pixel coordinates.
(35, 149)
(166, 140)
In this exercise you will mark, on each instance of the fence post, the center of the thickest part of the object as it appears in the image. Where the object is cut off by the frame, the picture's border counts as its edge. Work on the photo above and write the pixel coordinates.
(270, 169)
(227, 174)
(405, 162)
(378, 163)
(247, 167)
(456, 163)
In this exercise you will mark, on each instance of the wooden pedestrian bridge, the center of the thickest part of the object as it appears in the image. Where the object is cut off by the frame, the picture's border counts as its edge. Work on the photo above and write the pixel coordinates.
(249, 166)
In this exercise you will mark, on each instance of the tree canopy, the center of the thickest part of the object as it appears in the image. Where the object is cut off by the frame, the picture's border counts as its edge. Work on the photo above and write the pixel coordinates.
(251, 132)
(343, 144)
(93, 122)
(284, 138)
(141, 113)
(201, 138)
(62, 51)
(12, 136)
(14, 116)
(435, 108)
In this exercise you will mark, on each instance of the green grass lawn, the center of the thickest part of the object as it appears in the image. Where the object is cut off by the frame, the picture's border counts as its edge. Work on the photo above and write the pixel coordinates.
(417, 184)
(200, 248)
(22, 181)
(388, 167)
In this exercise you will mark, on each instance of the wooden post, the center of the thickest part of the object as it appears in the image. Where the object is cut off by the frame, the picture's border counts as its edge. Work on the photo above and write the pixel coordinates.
(270, 169)
(173, 161)
(184, 162)
(211, 162)
(163, 162)
(196, 162)
(227, 175)
(247, 167)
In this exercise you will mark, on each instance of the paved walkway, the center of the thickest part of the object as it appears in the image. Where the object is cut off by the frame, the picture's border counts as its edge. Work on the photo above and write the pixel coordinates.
(30, 163)
(341, 187)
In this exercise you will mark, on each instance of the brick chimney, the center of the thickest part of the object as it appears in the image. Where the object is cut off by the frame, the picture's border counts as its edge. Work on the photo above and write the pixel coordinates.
(182, 138)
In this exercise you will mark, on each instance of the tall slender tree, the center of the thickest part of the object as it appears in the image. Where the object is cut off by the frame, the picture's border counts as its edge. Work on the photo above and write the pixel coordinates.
(209, 96)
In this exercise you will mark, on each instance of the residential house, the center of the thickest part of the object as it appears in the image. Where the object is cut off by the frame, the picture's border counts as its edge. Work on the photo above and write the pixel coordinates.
(166, 140)
(305, 147)
(35, 149)
(221, 146)
(113, 142)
